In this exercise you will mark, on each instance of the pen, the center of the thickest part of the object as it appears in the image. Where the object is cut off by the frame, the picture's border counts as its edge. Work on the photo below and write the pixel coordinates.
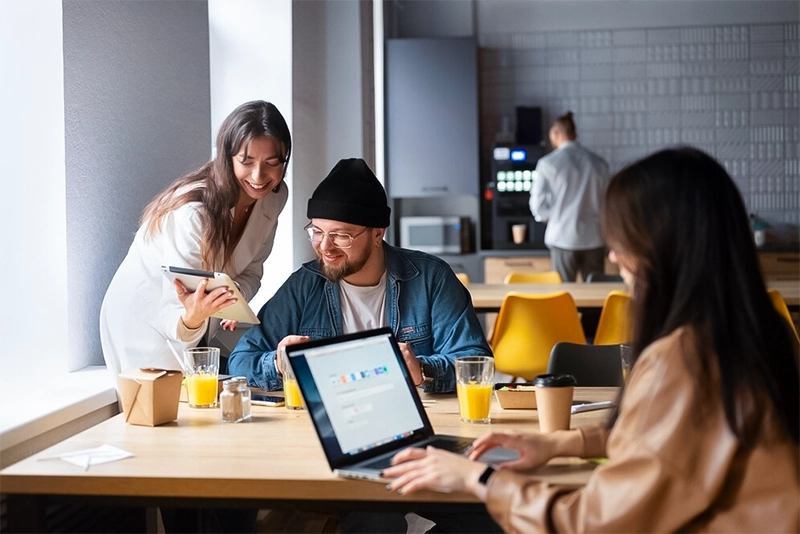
(590, 406)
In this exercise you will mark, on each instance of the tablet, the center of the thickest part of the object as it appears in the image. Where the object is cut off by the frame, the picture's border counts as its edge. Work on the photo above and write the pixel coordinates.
(240, 311)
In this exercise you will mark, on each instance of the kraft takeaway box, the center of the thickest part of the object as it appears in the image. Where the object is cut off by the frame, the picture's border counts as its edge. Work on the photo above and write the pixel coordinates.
(515, 396)
(149, 397)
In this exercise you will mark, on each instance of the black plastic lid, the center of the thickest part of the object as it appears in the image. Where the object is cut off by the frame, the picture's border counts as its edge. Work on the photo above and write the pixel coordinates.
(554, 381)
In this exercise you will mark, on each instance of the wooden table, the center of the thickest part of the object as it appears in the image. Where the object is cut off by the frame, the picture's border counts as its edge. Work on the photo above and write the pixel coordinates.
(487, 298)
(273, 460)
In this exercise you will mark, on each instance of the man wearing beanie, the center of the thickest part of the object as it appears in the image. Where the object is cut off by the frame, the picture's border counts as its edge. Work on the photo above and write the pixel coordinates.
(359, 282)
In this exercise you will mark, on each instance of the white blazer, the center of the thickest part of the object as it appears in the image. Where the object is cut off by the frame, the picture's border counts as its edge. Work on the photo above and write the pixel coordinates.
(141, 309)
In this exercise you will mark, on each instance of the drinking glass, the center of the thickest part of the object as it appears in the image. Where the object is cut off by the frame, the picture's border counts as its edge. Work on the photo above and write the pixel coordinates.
(202, 382)
(474, 384)
(626, 359)
(291, 391)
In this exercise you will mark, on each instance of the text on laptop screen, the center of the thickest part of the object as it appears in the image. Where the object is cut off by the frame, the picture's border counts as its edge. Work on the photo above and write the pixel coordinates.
(363, 386)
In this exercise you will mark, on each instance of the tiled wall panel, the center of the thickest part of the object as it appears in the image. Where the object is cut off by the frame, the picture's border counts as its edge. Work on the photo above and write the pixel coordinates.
(733, 91)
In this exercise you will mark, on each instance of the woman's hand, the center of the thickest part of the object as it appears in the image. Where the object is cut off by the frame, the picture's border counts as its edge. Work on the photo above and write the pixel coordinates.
(229, 324)
(415, 469)
(534, 449)
(200, 305)
(288, 340)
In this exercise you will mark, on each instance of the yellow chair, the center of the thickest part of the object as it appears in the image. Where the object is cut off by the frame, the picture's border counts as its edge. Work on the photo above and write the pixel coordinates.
(780, 305)
(544, 277)
(528, 326)
(463, 277)
(615, 325)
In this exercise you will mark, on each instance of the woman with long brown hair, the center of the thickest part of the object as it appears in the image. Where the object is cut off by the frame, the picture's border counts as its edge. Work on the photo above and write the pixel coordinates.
(705, 436)
(220, 217)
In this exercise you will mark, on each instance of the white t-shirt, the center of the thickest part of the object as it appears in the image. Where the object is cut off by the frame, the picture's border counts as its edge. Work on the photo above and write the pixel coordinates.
(363, 308)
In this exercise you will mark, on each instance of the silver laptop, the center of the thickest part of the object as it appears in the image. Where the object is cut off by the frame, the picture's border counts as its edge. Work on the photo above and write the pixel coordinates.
(364, 405)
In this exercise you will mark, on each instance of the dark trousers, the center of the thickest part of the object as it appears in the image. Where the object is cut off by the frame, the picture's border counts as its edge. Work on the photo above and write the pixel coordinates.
(568, 263)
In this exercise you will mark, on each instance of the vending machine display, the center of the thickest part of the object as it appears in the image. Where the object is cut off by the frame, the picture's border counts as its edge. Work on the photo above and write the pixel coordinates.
(508, 191)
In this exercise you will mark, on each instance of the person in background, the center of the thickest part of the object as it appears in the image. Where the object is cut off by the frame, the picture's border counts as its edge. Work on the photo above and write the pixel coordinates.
(568, 186)
(220, 217)
(359, 282)
(706, 430)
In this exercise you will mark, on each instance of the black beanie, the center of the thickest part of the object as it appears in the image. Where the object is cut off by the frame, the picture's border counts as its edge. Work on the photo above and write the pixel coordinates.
(351, 194)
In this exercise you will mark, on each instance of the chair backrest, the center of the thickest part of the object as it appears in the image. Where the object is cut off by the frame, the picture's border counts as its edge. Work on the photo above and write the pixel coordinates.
(591, 365)
(528, 326)
(780, 305)
(597, 276)
(463, 277)
(543, 277)
(615, 325)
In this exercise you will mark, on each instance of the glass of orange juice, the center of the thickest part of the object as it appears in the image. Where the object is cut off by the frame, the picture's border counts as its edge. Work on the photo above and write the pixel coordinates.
(474, 384)
(201, 384)
(291, 391)
(626, 359)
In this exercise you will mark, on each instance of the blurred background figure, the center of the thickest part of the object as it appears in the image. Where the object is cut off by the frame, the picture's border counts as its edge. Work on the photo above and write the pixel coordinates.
(567, 190)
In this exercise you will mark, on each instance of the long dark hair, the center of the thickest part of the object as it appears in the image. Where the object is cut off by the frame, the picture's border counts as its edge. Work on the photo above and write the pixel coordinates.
(214, 184)
(679, 214)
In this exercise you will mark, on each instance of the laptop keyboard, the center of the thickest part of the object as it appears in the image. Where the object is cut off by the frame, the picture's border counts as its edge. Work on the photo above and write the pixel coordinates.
(457, 446)
(451, 445)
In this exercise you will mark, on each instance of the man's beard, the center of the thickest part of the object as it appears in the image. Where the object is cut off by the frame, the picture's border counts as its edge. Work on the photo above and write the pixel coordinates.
(350, 266)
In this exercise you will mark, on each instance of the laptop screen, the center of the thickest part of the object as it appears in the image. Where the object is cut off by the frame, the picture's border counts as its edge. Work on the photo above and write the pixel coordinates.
(359, 395)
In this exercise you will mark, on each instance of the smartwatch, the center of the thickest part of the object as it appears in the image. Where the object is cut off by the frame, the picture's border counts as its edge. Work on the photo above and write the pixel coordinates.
(427, 374)
(486, 475)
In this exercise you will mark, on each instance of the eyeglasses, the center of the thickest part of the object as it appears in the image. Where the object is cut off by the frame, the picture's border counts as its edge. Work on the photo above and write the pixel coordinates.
(338, 239)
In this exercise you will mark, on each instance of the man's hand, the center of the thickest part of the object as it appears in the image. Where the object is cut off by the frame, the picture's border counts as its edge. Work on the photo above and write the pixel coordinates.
(288, 340)
(412, 363)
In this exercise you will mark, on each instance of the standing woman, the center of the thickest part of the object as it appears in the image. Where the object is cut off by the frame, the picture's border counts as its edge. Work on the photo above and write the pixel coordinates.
(705, 436)
(220, 217)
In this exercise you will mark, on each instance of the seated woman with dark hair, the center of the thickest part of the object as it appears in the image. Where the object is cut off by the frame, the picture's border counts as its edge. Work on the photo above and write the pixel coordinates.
(705, 437)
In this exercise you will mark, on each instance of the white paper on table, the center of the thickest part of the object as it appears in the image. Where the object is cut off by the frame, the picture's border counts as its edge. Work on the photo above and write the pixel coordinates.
(97, 455)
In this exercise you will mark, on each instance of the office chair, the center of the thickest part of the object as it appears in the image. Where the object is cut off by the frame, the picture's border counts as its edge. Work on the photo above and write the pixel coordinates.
(615, 325)
(463, 277)
(528, 326)
(544, 277)
(780, 305)
(591, 365)
(597, 276)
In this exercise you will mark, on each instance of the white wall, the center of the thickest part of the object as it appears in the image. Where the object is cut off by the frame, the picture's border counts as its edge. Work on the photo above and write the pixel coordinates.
(327, 106)
(128, 139)
(33, 239)
(250, 43)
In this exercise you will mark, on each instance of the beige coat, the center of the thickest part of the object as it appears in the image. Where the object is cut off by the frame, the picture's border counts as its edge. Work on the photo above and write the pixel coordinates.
(673, 465)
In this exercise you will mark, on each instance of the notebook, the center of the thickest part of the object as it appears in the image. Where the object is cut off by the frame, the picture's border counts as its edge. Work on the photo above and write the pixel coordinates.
(363, 403)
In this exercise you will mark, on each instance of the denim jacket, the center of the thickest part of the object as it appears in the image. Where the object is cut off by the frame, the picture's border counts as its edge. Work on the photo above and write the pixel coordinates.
(426, 307)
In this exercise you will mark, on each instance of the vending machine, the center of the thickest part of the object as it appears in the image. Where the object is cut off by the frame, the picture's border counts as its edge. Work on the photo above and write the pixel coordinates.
(508, 192)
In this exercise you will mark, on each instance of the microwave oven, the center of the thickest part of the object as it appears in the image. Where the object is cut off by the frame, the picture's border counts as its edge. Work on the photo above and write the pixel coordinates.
(437, 235)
